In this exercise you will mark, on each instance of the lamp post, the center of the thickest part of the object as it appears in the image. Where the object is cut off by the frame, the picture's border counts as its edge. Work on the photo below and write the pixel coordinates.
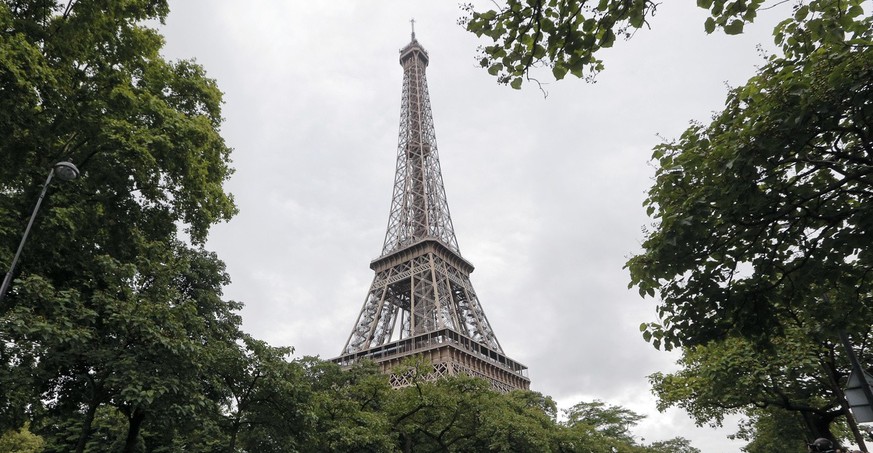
(66, 171)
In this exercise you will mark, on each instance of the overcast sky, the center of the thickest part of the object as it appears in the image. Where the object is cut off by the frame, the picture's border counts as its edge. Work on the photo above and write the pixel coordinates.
(545, 192)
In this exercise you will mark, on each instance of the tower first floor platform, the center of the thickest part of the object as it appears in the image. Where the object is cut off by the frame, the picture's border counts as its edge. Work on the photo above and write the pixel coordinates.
(450, 353)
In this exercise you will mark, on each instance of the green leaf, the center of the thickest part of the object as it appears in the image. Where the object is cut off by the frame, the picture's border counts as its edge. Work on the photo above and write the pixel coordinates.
(735, 27)
(516, 83)
(801, 13)
(636, 19)
(709, 25)
(608, 38)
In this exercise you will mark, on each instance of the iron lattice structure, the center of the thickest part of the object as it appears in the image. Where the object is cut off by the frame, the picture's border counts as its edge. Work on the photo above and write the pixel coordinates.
(421, 301)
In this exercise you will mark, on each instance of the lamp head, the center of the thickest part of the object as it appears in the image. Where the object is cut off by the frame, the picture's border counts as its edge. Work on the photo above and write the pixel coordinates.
(66, 170)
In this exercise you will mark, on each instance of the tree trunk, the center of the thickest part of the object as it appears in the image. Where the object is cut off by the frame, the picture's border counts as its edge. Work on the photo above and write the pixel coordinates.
(135, 423)
(819, 426)
(233, 433)
(86, 426)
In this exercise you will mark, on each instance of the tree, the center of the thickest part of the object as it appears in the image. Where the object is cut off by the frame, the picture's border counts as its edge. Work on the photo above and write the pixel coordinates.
(612, 421)
(21, 441)
(674, 445)
(145, 348)
(347, 411)
(355, 410)
(464, 413)
(765, 212)
(566, 37)
(762, 226)
(598, 427)
(763, 223)
(269, 399)
(110, 307)
(770, 430)
(798, 379)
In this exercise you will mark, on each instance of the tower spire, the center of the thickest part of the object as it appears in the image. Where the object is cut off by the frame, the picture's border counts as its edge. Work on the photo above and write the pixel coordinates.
(412, 21)
(421, 300)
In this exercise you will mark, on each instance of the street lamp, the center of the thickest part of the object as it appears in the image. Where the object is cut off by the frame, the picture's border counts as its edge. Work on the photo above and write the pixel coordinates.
(66, 171)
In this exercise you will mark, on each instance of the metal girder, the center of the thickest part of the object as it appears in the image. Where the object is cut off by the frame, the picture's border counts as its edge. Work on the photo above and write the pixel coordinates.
(422, 284)
(432, 292)
(418, 205)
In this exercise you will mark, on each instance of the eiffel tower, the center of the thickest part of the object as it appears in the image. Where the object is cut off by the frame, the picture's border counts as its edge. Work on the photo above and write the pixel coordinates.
(421, 302)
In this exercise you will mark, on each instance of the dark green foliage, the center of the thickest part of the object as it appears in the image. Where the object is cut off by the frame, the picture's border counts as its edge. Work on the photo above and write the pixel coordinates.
(112, 321)
(464, 414)
(774, 430)
(767, 210)
(760, 250)
(611, 421)
(566, 37)
(798, 378)
(267, 397)
(674, 445)
(347, 409)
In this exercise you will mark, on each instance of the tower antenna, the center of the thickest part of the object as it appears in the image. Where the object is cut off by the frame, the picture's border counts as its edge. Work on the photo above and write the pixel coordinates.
(412, 21)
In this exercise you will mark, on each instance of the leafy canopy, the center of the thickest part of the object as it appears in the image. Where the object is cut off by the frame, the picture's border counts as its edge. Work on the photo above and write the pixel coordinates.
(766, 210)
(112, 315)
(566, 36)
